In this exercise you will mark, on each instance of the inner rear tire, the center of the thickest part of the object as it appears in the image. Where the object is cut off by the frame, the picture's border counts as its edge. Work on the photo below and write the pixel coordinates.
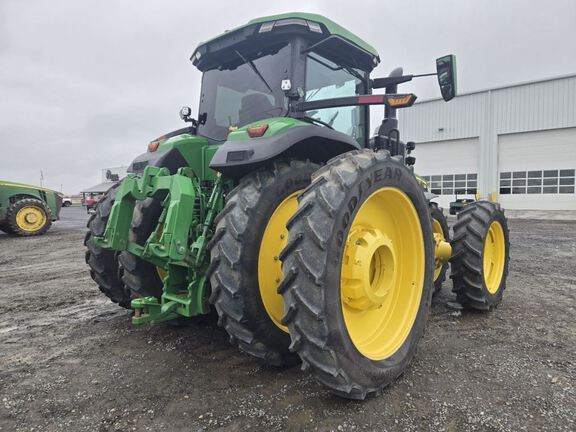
(141, 276)
(235, 252)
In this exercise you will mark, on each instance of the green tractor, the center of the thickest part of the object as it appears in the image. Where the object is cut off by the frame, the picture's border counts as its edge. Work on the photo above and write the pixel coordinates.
(27, 210)
(313, 241)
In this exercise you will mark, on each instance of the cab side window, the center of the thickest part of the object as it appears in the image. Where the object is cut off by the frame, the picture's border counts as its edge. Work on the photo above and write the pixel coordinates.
(326, 80)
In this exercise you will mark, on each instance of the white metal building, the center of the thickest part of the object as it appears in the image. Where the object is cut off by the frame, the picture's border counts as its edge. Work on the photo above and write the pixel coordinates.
(516, 144)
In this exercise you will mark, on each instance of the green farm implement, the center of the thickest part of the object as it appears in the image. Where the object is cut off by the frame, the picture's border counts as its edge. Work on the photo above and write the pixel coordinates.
(314, 241)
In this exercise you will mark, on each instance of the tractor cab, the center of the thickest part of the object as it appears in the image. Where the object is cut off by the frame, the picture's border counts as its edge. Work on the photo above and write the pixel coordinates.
(275, 75)
(264, 69)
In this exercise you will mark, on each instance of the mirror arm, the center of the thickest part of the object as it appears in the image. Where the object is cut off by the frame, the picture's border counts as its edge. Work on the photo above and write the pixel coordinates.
(390, 81)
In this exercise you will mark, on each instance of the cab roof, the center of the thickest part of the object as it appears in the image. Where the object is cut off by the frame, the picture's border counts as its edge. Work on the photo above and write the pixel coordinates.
(313, 26)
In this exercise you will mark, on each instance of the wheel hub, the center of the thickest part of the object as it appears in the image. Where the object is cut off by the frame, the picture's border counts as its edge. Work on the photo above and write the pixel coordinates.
(30, 218)
(442, 250)
(369, 269)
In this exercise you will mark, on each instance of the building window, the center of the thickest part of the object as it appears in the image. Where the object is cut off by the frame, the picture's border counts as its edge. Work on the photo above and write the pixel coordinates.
(537, 182)
(451, 184)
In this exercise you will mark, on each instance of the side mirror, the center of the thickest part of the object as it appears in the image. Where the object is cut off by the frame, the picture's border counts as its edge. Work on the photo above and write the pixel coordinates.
(446, 70)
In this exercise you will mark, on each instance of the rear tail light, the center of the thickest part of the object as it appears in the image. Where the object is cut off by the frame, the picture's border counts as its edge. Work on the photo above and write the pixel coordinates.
(257, 131)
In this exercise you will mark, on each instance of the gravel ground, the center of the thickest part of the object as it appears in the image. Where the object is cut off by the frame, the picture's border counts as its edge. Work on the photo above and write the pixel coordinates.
(71, 361)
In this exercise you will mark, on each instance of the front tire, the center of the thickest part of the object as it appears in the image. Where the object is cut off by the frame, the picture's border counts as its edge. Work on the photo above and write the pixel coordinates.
(358, 272)
(480, 255)
(245, 270)
(28, 217)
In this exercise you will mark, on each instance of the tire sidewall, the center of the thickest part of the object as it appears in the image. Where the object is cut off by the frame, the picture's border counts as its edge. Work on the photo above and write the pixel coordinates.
(387, 173)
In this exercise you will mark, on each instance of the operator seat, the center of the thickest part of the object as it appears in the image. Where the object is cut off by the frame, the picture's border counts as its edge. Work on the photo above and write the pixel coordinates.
(254, 107)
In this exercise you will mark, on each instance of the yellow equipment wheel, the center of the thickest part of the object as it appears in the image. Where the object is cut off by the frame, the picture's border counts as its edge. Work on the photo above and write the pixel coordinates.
(379, 310)
(481, 250)
(28, 217)
(245, 269)
(358, 272)
(442, 232)
(273, 241)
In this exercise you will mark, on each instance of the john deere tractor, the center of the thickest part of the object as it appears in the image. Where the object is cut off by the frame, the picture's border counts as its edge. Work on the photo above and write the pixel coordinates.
(27, 210)
(314, 242)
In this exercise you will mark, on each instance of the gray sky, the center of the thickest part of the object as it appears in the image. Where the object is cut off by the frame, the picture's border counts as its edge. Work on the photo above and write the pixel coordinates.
(87, 84)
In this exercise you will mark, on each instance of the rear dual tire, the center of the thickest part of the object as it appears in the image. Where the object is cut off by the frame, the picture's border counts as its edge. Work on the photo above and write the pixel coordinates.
(339, 334)
(141, 277)
(244, 270)
(103, 263)
(122, 276)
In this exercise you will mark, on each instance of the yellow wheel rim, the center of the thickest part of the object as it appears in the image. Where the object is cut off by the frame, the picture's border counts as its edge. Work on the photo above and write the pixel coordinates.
(30, 218)
(269, 265)
(382, 275)
(494, 257)
(438, 235)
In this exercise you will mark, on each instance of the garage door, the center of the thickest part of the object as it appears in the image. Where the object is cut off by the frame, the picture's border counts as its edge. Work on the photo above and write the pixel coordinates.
(449, 167)
(537, 170)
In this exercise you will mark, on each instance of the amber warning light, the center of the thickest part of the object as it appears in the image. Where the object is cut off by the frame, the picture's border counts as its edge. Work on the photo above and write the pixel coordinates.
(257, 131)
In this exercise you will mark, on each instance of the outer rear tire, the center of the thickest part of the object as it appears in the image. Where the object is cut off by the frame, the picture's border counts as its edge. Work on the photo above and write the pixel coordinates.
(103, 263)
(468, 255)
(314, 258)
(235, 248)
